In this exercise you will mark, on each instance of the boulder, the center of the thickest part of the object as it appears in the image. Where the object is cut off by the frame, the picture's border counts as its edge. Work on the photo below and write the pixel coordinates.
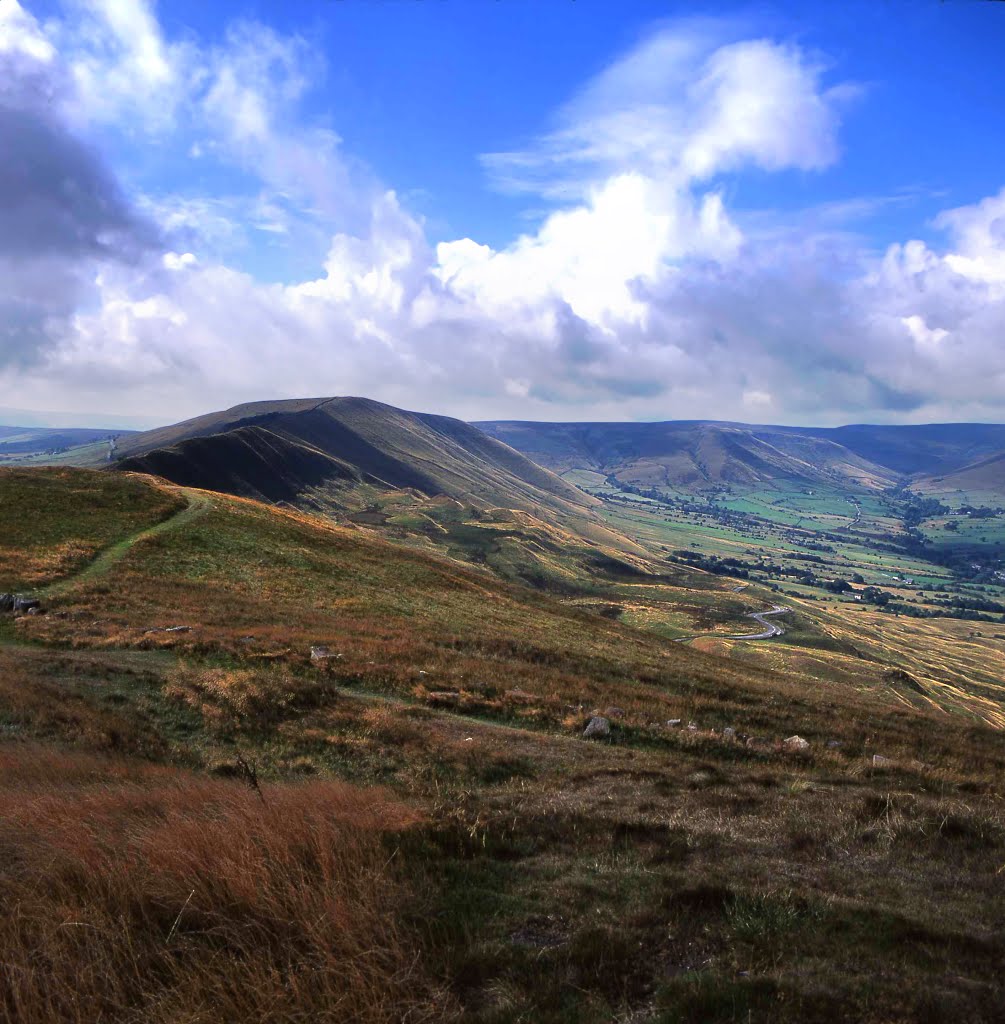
(796, 744)
(322, 653)
(597, 728)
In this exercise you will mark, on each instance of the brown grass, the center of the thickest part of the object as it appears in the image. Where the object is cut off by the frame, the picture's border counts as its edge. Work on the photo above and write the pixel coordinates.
(140, 893)
(56, 520)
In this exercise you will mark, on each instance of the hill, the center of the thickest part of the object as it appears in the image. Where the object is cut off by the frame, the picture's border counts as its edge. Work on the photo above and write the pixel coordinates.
(976, 482)
(257, 765)
(701, 455)
(690, 455)
(336, 451)
(48, 445)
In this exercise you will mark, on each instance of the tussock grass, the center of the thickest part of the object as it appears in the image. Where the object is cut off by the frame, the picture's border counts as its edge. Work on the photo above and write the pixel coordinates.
(145, 893)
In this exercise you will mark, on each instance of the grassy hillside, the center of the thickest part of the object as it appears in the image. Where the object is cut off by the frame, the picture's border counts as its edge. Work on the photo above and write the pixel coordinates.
(280, 450)
(975, 483)
(55, 521)
(689, 456)
(696, 455)
(201, 800)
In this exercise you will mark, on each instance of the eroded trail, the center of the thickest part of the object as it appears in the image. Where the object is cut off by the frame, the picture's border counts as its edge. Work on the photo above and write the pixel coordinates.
(197, 504)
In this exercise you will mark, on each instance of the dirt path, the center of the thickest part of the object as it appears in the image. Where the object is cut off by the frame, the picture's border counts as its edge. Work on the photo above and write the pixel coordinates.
(197, 504)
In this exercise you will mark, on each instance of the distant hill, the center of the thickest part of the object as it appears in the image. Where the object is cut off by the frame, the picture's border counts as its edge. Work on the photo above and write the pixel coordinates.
(290, 450)
(690, 455)
(984, 477)
(699, 455)
(37, 444)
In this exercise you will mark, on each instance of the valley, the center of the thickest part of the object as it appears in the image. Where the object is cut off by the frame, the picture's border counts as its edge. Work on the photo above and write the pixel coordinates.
(546, 746)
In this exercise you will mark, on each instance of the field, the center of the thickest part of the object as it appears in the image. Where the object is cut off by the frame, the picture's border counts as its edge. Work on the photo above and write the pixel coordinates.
(410, 826)
(789, 544)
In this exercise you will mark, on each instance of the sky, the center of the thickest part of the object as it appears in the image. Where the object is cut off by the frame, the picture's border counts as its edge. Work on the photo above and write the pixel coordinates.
(523, 209)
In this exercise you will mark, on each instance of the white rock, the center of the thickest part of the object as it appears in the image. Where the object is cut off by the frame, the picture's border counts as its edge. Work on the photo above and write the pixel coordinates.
(796, 743)
(597, 728)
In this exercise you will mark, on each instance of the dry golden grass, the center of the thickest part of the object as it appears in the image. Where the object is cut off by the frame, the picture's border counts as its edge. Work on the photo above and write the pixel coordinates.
(139, 893)
(56, 520)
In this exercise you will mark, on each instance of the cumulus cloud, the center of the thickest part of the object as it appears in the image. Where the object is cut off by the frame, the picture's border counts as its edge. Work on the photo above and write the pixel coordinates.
(642, 293)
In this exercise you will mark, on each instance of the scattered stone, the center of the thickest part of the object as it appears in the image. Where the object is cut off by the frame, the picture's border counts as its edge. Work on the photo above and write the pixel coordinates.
(692, 727)
(321, 653)
(168, 629)
(729, 733)
(597, 728)
(878, 760)
(17, 603)
(796, 744)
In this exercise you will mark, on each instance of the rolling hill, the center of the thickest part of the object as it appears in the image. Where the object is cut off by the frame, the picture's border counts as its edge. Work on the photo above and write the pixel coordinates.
(339, 451)
(701, 455)
(256, 765)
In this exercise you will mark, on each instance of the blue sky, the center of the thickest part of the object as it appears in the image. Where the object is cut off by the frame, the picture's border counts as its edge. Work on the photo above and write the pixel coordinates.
(537, 208)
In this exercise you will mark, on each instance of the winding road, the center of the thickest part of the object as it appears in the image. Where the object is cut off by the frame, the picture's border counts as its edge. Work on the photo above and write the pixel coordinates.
(771, 629)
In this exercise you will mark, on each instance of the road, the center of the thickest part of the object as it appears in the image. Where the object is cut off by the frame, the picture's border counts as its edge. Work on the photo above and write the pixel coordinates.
(770, 628)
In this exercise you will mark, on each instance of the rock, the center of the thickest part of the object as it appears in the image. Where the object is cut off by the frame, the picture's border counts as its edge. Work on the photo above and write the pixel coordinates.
(597, 728)
(168, 629)
(878, 760)
(614, 713)
(673, 722)
(796, 744)
(692, 727)
(423, 673)
(17, 603)
(321, 653)
(834, 744)
(729, 733)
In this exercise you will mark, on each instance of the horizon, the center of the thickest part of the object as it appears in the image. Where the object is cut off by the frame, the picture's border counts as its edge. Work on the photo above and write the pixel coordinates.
(762, 215)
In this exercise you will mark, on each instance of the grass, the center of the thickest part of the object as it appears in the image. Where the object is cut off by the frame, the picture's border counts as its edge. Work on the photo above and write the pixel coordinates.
(436, 840)
(142, 893)
(56, 521)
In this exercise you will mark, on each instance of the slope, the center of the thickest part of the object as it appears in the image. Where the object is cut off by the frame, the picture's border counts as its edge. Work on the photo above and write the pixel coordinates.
(180, 841)
(281, 450)
(691, 455)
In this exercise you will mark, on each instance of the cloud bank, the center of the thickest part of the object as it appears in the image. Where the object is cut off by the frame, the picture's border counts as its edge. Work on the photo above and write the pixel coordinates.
(176, 235)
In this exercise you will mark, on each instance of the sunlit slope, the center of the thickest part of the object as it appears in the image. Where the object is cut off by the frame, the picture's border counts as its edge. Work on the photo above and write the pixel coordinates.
(255, 582)
(54, 521)
(277, 451)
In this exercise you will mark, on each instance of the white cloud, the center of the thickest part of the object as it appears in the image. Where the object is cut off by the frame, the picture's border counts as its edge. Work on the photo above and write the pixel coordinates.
(641, 294)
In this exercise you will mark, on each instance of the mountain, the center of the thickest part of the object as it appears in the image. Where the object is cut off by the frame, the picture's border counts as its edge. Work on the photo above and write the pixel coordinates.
(342, 450)
(698, 455)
